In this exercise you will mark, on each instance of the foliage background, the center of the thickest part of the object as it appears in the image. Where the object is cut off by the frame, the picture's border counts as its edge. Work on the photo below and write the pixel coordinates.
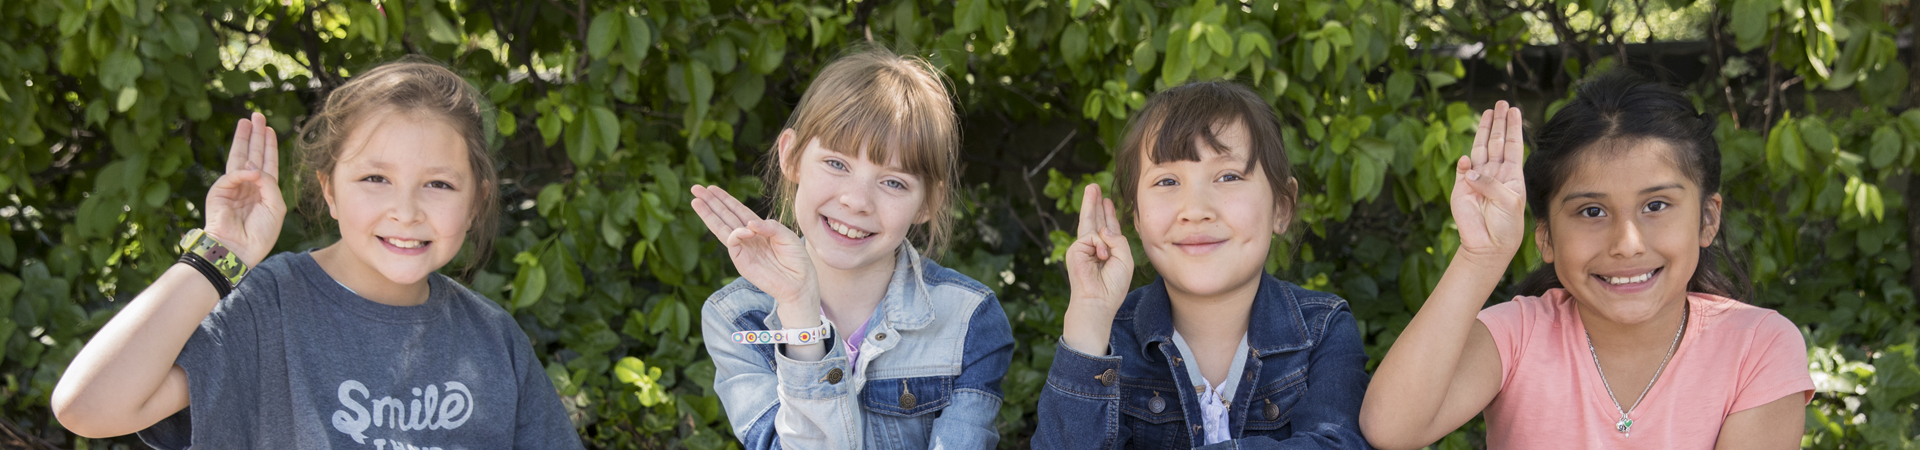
(116, 114)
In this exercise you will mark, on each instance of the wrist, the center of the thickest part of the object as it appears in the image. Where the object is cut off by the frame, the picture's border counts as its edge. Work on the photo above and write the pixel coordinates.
(1088, 329)
(1495, 262)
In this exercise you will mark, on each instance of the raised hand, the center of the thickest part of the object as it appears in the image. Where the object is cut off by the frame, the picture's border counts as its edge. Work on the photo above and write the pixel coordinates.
(244, 207)
(1099, 271)
(1489, 192)
(765, 252)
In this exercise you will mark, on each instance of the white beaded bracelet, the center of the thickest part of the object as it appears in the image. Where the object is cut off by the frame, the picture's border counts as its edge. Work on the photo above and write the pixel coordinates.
(803, 336)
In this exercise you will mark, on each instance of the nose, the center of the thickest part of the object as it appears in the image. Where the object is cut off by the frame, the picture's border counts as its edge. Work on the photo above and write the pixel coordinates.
(405, 209)
(1196, 204)
(1627, 242)
(857, 197)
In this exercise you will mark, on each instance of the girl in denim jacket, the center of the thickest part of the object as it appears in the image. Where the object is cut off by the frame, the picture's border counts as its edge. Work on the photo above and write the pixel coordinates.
(1215, 353)
(851, 338)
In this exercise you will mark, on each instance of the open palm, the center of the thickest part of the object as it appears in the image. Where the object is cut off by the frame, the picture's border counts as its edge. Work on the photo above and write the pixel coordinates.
(765, 252)
(1489, 190)
(244, 207)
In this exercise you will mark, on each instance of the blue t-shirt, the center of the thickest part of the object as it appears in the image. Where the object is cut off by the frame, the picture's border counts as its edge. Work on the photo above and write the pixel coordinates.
(292, 359)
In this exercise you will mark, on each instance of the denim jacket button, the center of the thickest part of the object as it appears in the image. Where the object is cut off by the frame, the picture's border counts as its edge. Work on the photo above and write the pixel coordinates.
(880, 337)
(1157, 404)
(1108, 377)
(907, 401)
(833, 376)
(1273, 411)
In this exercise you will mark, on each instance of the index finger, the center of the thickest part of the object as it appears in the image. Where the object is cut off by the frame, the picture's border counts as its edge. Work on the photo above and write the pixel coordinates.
(273, 153)
(741, 210)
(237, 153)
(257, 142)
(1514, 138)
(1089, 202)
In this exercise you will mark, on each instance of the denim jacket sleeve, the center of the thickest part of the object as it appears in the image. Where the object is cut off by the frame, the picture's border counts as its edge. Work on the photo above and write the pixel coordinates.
(774, 401)
(968, 422)
(1328, 415)
(1080, 400)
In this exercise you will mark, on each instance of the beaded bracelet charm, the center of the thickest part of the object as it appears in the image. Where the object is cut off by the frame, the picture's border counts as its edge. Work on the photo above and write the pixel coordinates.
(803, 336)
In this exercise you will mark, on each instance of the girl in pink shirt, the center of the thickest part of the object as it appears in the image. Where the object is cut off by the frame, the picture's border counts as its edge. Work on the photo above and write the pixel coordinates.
(1628, 337)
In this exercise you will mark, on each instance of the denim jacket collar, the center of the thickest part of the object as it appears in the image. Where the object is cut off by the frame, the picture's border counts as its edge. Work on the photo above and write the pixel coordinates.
(906, 305)
(1273, 326)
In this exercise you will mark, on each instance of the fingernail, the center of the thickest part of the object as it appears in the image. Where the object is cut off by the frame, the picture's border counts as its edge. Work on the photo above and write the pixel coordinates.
(1473, 175)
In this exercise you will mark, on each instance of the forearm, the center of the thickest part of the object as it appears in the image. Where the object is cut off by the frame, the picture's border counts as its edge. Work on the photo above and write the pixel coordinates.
(1411, 384)
(110, 388)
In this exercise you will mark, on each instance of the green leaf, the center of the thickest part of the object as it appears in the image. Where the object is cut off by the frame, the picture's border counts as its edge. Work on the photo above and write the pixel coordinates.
(1399, 87)
(1885, 148)
(969, 15)
(1221, 42)
(1080, 7)
(1367, 175)
(1143, 57)
(529, 285)
(120, 69)
(128, 96)
(1321, 50)
(1793, 151)
(637, 40)
(439, 29)
(1073, 43)
(156, 194)
(606, 28)
(606, 127)
(768, 51)
(1178, 66)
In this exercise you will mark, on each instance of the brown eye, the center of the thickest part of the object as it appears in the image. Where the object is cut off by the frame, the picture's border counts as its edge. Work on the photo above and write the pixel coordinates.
(440, 185)
(1657, 206)
(1230, 177)
(374, 179)
(1592, 212)
(1166, 182)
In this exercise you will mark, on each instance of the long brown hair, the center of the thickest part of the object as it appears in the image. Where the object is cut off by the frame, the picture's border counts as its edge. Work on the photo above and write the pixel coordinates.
(414, 86)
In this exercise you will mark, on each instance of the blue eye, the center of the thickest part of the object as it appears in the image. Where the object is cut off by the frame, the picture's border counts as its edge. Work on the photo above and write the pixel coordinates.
(1657, 206)
(440, 185)
(836, 164)
(896, 184)
(1592, 211)
(1166, 182)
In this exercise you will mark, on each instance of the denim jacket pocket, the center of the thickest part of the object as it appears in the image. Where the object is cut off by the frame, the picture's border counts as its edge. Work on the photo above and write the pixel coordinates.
(1154, 402)
(1272, 405)
(907, 397)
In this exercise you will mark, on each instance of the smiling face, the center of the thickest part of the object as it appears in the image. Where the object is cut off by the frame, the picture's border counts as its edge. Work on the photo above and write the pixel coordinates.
(853, 212)
(1206, 225)
(403, 193)
(1626, 246)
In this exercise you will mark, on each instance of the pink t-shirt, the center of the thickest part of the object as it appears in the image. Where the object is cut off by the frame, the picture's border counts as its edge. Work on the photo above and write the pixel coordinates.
(1734, 357)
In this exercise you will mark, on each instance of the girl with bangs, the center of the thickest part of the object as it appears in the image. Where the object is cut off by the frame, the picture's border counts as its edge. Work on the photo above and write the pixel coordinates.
(853, 338)
(1215, 353)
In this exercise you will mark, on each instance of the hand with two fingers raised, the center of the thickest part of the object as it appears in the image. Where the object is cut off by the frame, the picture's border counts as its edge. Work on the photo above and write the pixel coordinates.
(1099, 273)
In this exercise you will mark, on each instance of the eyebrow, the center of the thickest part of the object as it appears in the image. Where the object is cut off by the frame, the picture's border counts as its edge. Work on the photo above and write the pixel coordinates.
(437, 170)
(1597, 195)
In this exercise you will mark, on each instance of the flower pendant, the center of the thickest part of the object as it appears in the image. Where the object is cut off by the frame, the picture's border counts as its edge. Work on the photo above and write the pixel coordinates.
(1623, 425)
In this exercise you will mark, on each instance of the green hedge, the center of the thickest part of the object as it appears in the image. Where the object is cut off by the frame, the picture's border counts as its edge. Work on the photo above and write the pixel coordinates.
(117, 112)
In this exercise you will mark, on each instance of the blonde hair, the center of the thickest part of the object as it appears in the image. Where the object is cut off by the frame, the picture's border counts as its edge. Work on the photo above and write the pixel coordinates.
(409, 86)
(892, 106)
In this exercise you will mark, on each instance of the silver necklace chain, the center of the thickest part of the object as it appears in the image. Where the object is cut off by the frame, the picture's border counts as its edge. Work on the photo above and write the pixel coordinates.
(1626, 423)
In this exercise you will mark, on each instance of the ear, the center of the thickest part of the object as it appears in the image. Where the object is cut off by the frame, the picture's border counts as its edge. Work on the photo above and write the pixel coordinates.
(1282, 217)
(1710, 220)
(784, 146)
(926, 201)
(326, 192)
(1544, 241)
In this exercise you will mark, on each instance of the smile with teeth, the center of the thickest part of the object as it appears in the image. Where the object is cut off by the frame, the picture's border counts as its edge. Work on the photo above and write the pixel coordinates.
(404, 243)
(1629, 280)
(848, 231)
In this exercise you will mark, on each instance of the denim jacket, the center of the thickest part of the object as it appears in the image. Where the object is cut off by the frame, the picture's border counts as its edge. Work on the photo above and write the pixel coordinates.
(929, 369)
(1305, 375)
